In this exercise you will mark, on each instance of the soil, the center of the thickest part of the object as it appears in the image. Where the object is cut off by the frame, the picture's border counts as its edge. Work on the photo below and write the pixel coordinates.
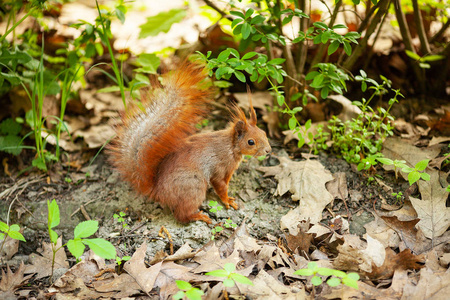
(103, 194)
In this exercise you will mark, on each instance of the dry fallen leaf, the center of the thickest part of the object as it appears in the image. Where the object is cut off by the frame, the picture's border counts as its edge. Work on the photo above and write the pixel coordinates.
(42, 264)
(433, 213)
(10, 281)
(137, 269)
(404, 260)
(407, 231)
(356, 255)
(9, 247)
(430, 286)
(267, 287)
(306, 181)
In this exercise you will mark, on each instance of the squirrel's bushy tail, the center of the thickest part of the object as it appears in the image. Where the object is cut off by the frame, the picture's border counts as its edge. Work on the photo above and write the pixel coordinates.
(169, 116)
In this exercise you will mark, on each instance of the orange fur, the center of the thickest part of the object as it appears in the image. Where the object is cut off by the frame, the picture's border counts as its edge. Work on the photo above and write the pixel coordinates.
(157, 152)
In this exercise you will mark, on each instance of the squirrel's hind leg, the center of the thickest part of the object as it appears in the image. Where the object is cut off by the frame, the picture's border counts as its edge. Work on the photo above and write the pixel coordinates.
(187, 194)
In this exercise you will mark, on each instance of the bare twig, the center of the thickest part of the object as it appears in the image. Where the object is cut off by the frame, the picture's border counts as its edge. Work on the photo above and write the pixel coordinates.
(213, 6)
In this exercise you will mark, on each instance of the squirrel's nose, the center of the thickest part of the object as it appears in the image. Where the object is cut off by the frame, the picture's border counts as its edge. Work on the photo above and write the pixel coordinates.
(268, 149)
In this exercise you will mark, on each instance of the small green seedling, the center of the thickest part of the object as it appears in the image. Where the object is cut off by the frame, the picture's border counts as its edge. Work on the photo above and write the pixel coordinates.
(12, 231)
(76, 246)
(338, 277)
(187, 290)
(215, 206)
(215, 231)
(398, 196)
(120, 260)
(121, 219)
(230, 276)
(416, 173)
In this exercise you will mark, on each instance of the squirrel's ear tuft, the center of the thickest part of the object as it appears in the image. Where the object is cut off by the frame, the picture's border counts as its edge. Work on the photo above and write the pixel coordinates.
(240, 127)
(252, 112)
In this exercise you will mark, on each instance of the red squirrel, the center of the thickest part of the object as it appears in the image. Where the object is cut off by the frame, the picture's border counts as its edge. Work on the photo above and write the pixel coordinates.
(157, 151)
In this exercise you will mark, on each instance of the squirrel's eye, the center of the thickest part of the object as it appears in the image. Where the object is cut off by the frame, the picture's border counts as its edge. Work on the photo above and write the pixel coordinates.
(251, 142)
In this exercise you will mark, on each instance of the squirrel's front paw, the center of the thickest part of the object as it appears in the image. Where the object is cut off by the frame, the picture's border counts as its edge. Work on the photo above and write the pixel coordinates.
(230, 202)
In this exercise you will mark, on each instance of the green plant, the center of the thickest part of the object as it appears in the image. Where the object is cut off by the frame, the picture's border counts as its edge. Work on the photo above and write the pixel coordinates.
(188, 291)
(230, 276)
(214, 206)
(414, 174)
(360, 139)
(398, 196)
(12, 231)
(337, 277)
(10, 141)
(120, 260)
(77, 245)
(120, 218)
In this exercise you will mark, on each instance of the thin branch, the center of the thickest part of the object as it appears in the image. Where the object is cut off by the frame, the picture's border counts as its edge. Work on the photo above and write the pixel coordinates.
(425, 47)
(213, 6)
(382, 7)
(407, 41)
(441, 31)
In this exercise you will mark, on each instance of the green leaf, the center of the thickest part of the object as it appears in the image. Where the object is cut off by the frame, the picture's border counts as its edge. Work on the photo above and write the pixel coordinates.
(3, 226)
(257, 19)
(316, 280)
(10, 127)
(109, 89)
(240, 76)
(325, 271)
(246, 30)
(194, 294)
(183, 285)
(90, 50)
(413, 177)
(333, 47)
(350, 282)
(149, 63)
(218, 273)
(354, 276)
(228, 282)
(333, 281)
(16, 235)
(179, 295)
(347, 48)
(412, 55)
(76, 247)
(229, 267)
(422, 165)
(101, 247)
(276, 61)
(162, 22)
(385, 161)
(317, 82)
(249, 55)
(53, 236)
(11, 144)
(241, 279)
(311, 75)
(280, 100)
(425, 176)
(433, 57)
(237, 14)
(304, 272)
(292, 123)
(53, 213)
(312, 265)
(85, 229)
(14, 227)
(249, 13)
